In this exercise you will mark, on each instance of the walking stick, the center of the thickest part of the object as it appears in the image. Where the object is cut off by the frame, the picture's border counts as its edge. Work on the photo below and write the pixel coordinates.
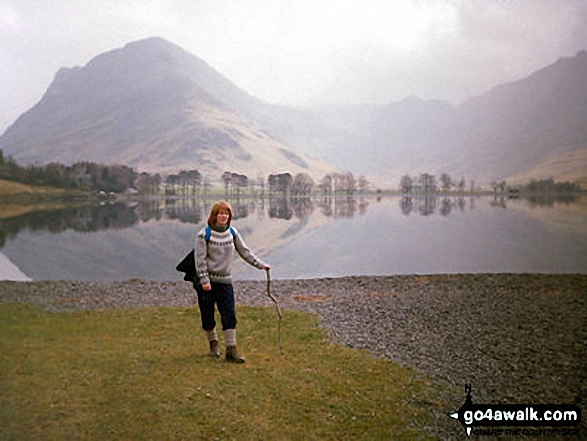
(279, 314)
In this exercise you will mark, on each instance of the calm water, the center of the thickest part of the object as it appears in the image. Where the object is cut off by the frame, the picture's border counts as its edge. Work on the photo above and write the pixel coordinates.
(303, 239)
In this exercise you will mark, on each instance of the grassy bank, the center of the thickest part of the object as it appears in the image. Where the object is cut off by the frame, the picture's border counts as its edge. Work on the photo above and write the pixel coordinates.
(144, 374)
(17, 199)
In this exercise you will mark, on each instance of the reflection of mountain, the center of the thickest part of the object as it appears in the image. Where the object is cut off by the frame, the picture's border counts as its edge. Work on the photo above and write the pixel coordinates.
(564, 215)
(146, 240)
(9, 271)
(315, 238)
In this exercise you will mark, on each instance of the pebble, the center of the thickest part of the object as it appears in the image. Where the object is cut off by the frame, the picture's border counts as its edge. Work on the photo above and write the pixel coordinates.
(516, 338)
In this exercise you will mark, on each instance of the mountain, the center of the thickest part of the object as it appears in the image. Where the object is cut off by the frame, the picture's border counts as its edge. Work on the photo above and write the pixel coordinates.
(518, 126)
(515, 129)
(155, 107)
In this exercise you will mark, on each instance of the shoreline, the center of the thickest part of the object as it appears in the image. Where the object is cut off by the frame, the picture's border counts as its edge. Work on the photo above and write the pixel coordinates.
(516, 338)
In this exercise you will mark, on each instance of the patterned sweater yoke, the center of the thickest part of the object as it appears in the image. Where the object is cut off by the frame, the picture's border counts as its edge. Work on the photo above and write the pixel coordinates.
(214, 259)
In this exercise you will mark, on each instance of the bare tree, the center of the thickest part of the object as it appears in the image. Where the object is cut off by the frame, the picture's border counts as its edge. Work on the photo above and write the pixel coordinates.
(303, 184)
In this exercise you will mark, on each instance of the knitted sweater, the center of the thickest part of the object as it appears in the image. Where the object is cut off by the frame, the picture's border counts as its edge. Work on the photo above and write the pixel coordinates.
(214, 259)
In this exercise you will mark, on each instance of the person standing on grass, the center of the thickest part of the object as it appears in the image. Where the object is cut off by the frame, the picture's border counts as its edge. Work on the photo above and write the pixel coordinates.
(214, 251)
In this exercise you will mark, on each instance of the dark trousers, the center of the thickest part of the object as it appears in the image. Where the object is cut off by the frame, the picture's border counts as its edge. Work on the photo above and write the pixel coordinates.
(222, 295)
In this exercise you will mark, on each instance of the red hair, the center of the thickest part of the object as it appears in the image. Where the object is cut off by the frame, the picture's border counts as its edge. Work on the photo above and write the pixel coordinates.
(220, 205)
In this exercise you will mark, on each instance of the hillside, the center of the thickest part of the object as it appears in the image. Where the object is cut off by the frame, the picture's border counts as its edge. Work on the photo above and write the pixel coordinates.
(502, 133)
(571, 167)
(155, 107)
(152, 106)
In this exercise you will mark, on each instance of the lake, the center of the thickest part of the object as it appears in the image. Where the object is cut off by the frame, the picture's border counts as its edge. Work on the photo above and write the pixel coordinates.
(304, 238)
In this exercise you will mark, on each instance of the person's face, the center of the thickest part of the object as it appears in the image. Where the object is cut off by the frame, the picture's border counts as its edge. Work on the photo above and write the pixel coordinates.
(222, 217)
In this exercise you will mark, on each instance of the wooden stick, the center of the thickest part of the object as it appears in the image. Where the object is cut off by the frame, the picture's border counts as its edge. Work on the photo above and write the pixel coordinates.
(279, 313)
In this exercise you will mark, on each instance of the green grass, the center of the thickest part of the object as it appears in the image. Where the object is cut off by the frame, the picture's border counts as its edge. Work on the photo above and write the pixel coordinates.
(144, 374)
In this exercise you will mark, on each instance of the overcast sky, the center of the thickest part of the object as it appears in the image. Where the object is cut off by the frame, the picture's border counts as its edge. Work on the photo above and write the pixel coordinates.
(300, 52)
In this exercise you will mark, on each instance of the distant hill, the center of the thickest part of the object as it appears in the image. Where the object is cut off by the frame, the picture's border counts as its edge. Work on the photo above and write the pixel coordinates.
(155, 107)
(512, 129)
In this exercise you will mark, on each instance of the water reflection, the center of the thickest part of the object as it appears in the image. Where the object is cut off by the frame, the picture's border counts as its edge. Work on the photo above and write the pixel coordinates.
(85, 219)
(117, 216)
(144, 239)
(549, 199)
(427, 205)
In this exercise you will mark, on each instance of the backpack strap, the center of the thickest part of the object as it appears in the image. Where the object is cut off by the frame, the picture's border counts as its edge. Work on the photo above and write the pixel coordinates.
(209, 233)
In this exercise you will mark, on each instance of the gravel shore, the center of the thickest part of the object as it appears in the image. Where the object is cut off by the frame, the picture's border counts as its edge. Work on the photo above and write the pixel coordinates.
(517, 338)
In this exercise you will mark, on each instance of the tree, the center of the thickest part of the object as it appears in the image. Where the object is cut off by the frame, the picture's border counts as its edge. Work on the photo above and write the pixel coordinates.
(427, 182)
(239, 181)
(363, 183)
(326, 184)
(405, 184)
(446, 182)
(461, 185)
(280, 183)
(227, 178)
(302, 184)
(261, 183)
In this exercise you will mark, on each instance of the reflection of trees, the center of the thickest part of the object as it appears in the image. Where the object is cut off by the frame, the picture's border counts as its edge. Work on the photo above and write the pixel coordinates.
(549, 200)
(446, 206)
(183, 210)
(303, 207)
(426, 205)
(406, 205)
(240, 209)
(83, 219)
(498, 202)
(195, 211)
(342, 206)
(280, 208)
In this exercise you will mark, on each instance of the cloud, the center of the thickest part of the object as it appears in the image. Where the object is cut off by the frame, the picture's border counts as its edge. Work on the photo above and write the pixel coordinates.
(10, 20)
(303, 51)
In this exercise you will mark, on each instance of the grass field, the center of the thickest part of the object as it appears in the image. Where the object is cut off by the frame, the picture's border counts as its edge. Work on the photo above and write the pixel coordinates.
(144, 374)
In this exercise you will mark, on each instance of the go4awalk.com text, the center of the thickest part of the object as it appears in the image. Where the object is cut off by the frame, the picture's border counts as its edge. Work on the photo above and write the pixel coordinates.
(517, 419)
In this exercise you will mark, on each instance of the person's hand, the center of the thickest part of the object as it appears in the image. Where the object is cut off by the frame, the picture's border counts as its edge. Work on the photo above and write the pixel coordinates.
(207, 286)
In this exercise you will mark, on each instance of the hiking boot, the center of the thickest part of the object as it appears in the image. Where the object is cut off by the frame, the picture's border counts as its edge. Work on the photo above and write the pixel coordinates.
(232, 355)
(214, 349)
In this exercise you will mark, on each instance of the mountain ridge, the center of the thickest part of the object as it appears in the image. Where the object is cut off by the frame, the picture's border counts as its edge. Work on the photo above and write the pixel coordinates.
(154, 106)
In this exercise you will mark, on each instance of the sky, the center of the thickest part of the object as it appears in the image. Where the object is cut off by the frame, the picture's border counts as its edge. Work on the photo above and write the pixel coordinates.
(300, 52)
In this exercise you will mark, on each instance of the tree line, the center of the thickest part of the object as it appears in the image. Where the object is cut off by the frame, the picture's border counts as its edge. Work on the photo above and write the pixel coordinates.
(549, 186)
(81, 175)
(119, 179)
(427, 183)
